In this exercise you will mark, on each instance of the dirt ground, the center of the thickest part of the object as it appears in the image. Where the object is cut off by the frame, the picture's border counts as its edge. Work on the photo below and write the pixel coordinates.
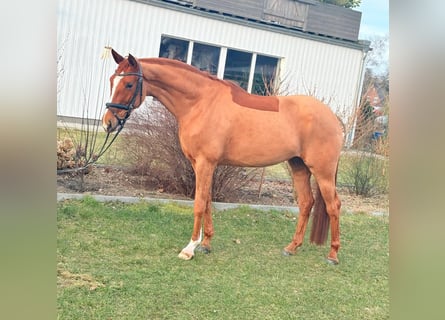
(107, 180)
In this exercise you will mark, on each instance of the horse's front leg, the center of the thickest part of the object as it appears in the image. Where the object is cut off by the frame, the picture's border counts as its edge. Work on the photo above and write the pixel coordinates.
(202, 208)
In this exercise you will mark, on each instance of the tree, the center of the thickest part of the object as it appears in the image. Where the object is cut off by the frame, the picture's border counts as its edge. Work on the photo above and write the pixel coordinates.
(377, 58)
(376, 64)
(343, 3)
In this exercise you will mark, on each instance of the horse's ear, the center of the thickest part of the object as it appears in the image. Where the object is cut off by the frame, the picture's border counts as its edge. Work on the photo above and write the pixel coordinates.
(116, 56)
(132, 60)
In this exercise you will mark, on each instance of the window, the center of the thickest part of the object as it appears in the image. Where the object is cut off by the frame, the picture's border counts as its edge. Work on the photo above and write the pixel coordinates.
(172, 48)
(264, 75)
(206, 57)
(237, 67)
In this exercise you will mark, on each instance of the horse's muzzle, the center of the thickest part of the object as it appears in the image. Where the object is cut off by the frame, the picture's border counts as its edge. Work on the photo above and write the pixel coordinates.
(107, 122)
(109, 127)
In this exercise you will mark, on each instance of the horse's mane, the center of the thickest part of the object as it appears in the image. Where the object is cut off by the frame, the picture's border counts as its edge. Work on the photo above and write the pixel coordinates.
(181, 65)
(239, 95)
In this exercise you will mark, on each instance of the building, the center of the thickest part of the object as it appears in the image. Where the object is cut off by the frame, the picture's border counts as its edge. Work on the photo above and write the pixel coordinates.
(303, 46)
(375, 97)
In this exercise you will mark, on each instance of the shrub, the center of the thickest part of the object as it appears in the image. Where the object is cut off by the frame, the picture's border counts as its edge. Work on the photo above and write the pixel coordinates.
(152, 148)
(365, 173)
(68, 155)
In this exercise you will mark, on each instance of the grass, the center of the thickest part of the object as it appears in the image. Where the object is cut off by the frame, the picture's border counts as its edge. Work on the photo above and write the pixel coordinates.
(119, 261)
(279, 171)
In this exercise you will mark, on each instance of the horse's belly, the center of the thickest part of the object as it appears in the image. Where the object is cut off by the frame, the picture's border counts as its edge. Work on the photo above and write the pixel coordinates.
(261, 154)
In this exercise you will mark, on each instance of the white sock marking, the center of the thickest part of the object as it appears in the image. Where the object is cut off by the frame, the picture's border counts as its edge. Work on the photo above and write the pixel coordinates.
(190, 248)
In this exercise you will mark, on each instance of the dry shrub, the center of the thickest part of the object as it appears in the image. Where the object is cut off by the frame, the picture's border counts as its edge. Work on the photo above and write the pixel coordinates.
(69, 156)
(381, 146)
(65, 154)
(152, 148)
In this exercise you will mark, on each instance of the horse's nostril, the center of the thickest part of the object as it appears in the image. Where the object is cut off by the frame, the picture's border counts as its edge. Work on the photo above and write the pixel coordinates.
(109, 126)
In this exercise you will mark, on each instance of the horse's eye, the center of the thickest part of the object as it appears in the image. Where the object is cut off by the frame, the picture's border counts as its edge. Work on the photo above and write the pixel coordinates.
(129, 85)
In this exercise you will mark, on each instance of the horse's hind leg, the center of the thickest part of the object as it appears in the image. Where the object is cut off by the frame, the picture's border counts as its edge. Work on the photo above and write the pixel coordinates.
(302, 190)
(333, 204)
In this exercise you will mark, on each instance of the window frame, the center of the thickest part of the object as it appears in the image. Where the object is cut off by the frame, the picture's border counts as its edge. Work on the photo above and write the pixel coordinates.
(222, 59)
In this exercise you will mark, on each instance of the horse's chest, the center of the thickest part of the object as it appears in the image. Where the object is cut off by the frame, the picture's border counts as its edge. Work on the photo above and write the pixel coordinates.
(202, 138)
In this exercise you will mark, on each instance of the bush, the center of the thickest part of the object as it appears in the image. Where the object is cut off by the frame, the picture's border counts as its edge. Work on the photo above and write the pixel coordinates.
(69, 156)
(365, 173)
(152, 148)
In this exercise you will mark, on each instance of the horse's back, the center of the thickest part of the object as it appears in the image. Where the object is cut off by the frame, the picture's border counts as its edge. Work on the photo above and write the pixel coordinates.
(309, 112)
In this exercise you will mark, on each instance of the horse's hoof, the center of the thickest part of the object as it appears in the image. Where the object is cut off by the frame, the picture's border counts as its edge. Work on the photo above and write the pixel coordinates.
(287, 253)
(332, 261)
(185, 256)
(204, 250)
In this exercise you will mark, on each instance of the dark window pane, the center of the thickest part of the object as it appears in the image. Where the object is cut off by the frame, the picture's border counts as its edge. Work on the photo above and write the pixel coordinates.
(205, 57)
(174, 48)
(238, 67)
(264, 77)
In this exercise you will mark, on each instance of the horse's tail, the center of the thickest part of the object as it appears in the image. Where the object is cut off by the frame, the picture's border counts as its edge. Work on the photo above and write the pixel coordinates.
(320, 218)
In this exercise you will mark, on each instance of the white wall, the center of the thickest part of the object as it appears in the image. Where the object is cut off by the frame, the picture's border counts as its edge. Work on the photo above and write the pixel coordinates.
(330, 72)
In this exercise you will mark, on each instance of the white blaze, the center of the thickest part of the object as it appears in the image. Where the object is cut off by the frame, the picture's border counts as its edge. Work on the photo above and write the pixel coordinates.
(116, 81)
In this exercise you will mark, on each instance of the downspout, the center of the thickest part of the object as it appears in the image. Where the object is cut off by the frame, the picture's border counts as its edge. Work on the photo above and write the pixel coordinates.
(365, 49)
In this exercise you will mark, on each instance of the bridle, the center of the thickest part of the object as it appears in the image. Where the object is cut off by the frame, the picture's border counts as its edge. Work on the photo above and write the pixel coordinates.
(130, 106)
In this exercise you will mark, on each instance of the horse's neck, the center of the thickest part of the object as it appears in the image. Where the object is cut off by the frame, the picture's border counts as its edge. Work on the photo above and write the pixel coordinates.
(177, 89)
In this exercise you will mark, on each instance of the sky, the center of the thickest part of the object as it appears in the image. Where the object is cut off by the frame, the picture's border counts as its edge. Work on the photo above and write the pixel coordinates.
(375, 18)
(375, 23)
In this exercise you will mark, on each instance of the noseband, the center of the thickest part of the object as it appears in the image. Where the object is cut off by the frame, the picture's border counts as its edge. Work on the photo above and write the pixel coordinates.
(130, 106)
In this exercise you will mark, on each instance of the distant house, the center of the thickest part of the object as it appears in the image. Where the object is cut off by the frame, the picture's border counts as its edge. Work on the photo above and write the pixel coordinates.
(375, 98)
(304, 46)
(372, 122)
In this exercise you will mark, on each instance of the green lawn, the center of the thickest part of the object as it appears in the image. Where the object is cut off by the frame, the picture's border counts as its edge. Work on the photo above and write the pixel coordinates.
(119, 261)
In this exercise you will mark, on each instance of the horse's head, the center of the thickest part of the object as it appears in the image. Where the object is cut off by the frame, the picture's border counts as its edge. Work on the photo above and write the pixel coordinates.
(126, 92)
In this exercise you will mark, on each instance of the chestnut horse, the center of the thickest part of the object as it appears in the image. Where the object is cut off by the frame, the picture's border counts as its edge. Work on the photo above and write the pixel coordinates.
(220, 123)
